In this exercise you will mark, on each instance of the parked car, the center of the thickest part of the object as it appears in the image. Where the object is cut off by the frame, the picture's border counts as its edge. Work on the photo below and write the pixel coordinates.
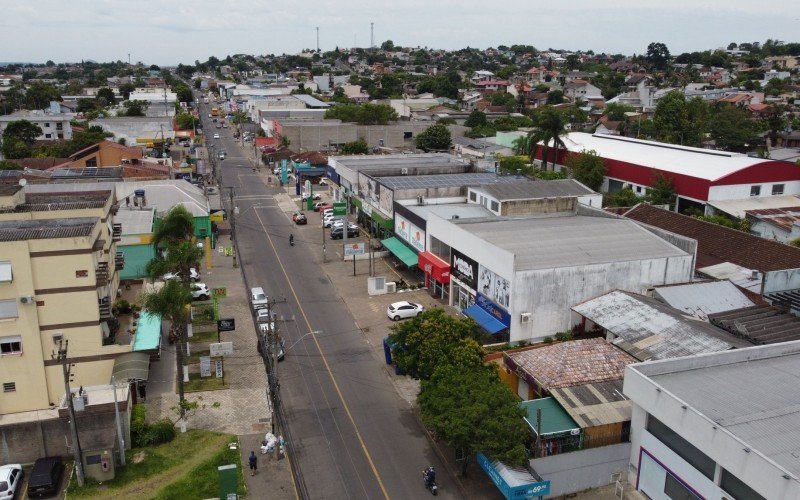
(265, 327)
(193, 275)
(321, 206)
(404, 309)
(299, 218)
(340, 223)
(222, 155)
(315, 196)
(262, 315)
(258, 298)
(45, 477)
(200, 291)
(337, 233)
(327, 211)
(10, 479)
(323, 182)
(216, 136)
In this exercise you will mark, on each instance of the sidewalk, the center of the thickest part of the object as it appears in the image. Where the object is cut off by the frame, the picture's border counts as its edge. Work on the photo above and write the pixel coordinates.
(243, 408)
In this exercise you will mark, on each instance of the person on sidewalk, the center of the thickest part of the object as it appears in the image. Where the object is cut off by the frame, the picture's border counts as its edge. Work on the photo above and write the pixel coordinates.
(253, 463)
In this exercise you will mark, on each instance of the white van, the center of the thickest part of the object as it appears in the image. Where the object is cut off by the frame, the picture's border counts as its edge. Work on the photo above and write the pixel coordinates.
(258, 298)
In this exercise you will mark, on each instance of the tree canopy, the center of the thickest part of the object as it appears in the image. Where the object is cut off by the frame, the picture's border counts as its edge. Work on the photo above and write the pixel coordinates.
(363, 114)
(358, 147)
(587, 168)
(733, 129)
(657, 55)
(436, 137)
(18, 137)
(679, 121)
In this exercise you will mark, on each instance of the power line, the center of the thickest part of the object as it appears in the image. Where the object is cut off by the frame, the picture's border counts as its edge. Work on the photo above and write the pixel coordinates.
(66, 369)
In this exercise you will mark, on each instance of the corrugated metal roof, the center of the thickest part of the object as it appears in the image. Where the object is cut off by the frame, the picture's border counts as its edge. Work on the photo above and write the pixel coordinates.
(738, 275)
(572, 363)
(448, 180)
(18, 230)
(537, 189)
(737, 208)
(648, 329)
(756, 400)
(759, 324)
(567, 240)
(702, 299)
(596, 404)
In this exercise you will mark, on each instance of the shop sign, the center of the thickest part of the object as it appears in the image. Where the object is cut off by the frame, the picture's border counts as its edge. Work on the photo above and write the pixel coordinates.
(494, 286)
(529, 490)
(496, 311)
(352, 249)
(464, 269)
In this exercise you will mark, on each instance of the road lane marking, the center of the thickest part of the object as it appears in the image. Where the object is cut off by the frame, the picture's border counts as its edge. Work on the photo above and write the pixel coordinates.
(325, 361)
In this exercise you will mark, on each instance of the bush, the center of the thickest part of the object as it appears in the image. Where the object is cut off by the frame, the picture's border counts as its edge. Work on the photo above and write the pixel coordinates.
(138, 424)
(162, 431)
(547, 340)
(564, 336)
(144, 434)
(122, 306)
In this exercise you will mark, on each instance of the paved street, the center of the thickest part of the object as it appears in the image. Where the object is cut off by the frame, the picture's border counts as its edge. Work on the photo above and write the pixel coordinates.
(352, 435)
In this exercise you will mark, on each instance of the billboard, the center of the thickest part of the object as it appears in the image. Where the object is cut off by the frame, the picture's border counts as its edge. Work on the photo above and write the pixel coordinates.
(494, 286)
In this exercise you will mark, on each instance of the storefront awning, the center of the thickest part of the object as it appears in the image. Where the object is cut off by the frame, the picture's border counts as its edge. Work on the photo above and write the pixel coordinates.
(148, 333)
(401, 251)
(484, 319)
(436, 267)
(131, 366)
(554, 419)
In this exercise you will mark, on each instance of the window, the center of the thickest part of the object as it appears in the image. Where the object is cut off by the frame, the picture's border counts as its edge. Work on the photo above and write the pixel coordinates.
(473, 196)
(8, 309)
(9, 386)
(777, 189)
(47, 125)
(676, 490)
(48, 136)
(11, 345)
(495, 206)
(681, 447)
(5, 272)
(755, 190)
(736, 487)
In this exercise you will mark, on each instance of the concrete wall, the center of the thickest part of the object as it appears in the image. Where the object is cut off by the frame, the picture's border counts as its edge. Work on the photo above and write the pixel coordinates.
(581, 470)
(742, 191)
(549, 293)
(779, 281)
(537, 206)
(688, 245)
(317, 136)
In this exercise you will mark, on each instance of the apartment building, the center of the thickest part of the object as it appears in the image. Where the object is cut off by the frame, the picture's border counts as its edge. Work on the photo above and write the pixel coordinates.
(59, 274)
(55, 126)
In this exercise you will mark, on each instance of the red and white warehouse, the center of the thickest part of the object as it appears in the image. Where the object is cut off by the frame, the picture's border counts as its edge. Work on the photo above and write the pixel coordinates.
(699, 175)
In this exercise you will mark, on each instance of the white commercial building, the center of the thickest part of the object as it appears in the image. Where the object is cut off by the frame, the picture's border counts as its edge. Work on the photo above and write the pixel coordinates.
(723, 425)
(55, 126)
(526, 272)
(153, 94)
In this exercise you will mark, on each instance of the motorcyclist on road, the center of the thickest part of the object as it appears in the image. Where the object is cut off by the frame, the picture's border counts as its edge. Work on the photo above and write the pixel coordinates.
(429, 475)
(291, 239)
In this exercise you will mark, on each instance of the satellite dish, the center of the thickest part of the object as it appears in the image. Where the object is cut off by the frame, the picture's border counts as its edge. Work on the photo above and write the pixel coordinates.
(23, 182)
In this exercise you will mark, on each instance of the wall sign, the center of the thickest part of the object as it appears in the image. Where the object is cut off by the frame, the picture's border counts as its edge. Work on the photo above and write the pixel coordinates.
(496, 311)
(464, 269)
(494, 286)
(226, 325)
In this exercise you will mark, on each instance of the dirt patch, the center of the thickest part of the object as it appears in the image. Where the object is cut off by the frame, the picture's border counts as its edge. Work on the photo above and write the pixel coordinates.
(138, 457)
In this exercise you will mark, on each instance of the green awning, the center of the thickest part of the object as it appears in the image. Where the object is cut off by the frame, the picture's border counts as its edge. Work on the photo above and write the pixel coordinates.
(401, 251)
(555, 419)
(148, 332)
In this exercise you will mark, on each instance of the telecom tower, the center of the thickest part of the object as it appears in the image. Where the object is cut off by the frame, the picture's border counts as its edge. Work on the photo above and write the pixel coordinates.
(372, 35)
(317, 38)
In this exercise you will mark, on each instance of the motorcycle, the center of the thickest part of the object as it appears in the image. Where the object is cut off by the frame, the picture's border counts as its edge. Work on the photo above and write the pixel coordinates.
(429, 480)
(291, 240)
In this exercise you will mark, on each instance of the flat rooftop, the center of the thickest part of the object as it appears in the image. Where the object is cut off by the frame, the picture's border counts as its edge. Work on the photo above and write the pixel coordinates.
(46, 202)
(520, 190)
(752, 393)
(448, 180)
(375, 162)
(19, 230)
(567, 240)
(450, 210)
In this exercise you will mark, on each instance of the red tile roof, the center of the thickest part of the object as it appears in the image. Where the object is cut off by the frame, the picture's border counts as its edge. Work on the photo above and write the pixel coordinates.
(40, 163)
(266, 141)
(717, 244)
(577, 362)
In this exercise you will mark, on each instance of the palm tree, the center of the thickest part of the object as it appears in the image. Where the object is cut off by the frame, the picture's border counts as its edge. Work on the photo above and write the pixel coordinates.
(177, 253)
(552, 124)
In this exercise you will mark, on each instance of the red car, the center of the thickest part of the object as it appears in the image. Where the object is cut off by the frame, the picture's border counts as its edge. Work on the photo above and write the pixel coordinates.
(322, 206)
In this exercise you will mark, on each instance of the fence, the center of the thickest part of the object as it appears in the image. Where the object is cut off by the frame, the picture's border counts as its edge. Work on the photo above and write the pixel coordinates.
(556, 445)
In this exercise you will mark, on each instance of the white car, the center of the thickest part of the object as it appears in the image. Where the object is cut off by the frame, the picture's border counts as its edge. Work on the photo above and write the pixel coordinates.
(329, 221)
(10, 479)
(275, 171)
(404, 309)
(258, 298)
(327, 211)
(193, 275)
(315, 197)
(200, 291)
(216, 136)
(263, 316)
(323, 182)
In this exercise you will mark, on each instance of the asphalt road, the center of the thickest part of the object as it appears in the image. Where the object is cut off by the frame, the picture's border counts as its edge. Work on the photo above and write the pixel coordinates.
(352, 435)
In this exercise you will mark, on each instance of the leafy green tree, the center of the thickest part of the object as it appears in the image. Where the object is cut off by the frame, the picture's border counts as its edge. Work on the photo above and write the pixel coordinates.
(9, 165)
(733, 129)
(616, 111)
(512, 164)
(358, 147)
(183, 92)
(503, 99)
(125, 90)
(388, 45)
(473, 410)
(679, 121)
(107, 94)
(135, 108)
(426, 341)
(475, 119)
(18, 138)
(662, 192)
(587, 168)
(657, 56)
(85, 105)
(622, 198)
(363, 114)
(185, 121)
(39, 95)
(550, 126)
(555, 97)
(435, 138)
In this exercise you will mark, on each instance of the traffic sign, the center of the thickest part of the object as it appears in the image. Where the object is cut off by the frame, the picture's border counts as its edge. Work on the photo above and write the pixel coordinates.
(339, 208)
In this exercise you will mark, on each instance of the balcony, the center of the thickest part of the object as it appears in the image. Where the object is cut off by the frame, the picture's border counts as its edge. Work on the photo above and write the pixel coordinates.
(105, 307)
(101, 273)
(116, 233)
(119, 260)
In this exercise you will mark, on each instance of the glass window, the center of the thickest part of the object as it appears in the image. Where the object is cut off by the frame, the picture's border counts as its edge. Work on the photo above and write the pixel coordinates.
(495, 206)
(736, 487)
(473, 196)
(8, 309)
(676, 490)
(681, 447)
(755, 190)
(5, 272)
(11, 345)
(777, 189)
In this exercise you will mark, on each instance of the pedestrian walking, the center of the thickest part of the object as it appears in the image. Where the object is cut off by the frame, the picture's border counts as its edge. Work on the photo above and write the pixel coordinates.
(253, 463)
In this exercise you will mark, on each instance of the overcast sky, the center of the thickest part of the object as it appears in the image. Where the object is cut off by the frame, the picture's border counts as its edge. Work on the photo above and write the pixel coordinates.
(165, 32)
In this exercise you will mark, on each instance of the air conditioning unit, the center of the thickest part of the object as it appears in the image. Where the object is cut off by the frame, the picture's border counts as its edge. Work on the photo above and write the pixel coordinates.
(525, 318)
(57, 337)
(403, 171)
(26, 299)
(391, 287)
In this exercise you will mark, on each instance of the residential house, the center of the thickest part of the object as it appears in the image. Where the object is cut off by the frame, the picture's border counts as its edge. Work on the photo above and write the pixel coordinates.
(55, 126)
(779, 224)
(105, 154)
(581, 89)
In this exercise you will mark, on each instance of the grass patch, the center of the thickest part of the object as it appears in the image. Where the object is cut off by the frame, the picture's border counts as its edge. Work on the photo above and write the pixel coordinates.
(196, 355)
(196, 383)
(202, 481)
(153, 467)
(210, 336)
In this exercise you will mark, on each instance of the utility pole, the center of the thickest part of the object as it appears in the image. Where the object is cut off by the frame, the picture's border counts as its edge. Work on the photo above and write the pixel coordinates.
(371, 35)
(119, 424)
(73, 425)
(317, 38)
(234, 211)
(270, 349)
